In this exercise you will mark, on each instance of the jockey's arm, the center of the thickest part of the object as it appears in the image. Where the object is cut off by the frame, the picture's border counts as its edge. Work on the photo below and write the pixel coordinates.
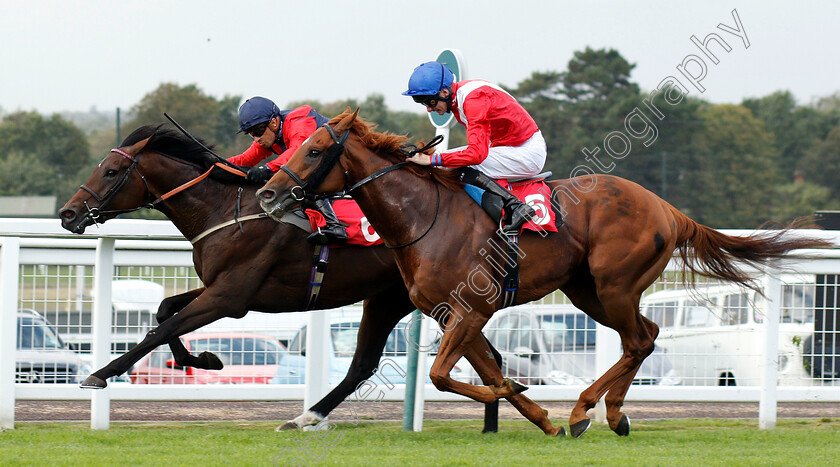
(478, 139)
(252, 156)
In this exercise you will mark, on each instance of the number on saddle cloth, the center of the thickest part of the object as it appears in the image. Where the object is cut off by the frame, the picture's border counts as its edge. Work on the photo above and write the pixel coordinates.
(492, 204)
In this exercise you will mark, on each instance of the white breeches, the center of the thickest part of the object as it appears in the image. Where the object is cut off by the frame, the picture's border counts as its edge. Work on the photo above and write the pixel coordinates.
(512, 162)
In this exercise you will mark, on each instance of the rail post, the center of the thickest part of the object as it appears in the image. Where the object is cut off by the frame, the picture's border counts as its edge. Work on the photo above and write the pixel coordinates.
(9, 283)
(103, 274)
(413, 338)
(317, 357)
(607, 350)
(420, 373)
(768, 397)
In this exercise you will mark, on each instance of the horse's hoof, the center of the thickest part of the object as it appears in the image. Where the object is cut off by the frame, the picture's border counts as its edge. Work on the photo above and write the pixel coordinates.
(561, 432)
(287, 426)
(516, 387)
(93, 382)
(209, 361)
(579, 428)
(623, 428)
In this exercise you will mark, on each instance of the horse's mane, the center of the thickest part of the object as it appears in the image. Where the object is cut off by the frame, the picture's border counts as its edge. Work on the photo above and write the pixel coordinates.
(173, 143)
(390, 146)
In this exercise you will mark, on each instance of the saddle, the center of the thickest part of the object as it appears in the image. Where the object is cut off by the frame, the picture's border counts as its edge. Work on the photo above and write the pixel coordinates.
(492, 204)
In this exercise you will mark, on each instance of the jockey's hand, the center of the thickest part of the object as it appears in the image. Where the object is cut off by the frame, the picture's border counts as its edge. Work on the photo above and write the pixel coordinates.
(259, 174)
(421, 159)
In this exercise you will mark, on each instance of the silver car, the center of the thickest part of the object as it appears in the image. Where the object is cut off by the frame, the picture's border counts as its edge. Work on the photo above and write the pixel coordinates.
(556, 345)
(41, 356)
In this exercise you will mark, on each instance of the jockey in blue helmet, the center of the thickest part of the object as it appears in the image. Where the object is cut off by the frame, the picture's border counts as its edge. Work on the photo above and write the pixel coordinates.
(427, 81)
(503, 141)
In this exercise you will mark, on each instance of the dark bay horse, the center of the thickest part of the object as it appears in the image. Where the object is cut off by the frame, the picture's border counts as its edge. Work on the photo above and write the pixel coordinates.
(263, 266)
(616, 240)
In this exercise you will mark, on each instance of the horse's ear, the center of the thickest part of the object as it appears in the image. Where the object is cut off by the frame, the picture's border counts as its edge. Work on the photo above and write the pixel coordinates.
(135, 148)
(348, 120)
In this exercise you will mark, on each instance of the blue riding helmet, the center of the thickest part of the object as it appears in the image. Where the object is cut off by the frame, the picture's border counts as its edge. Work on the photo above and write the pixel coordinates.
(428, 79)
(256, 110)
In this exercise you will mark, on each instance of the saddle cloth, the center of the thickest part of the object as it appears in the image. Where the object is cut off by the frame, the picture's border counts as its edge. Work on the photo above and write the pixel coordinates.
(534, 192)
(537, 194)
(359, 230)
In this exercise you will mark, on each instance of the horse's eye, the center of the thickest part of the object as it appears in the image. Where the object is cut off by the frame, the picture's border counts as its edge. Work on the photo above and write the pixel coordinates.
(111, 173)
(313, 153)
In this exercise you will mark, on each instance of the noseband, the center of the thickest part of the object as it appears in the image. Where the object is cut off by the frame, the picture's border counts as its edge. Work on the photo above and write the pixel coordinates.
(96, 212)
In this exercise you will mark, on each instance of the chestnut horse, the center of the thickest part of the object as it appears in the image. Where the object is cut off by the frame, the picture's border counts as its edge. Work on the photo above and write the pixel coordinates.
(259, 264)
(615, 241)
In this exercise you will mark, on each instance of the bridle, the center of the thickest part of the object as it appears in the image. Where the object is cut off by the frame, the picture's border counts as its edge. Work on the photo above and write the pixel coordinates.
(95, 213)
(303, 190)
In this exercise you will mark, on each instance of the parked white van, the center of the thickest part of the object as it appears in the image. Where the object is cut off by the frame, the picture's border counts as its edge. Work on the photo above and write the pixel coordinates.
(134, 304)
(714, 335)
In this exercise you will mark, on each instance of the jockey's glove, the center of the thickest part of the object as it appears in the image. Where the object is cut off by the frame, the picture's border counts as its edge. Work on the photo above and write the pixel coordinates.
(259, 174)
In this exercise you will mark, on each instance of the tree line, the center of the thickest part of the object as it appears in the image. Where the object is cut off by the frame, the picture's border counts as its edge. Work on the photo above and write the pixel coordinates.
(725, 165)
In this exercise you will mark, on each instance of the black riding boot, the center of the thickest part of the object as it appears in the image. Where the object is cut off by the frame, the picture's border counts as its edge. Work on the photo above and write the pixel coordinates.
(334, 231)
(515, 210)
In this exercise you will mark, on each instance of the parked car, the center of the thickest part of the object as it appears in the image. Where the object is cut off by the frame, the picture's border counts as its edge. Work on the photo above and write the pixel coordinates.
(344, 330)
(248, 358)
(41, 356)
(134, 303)
(714, 334)
(555, 344)
(282, 326)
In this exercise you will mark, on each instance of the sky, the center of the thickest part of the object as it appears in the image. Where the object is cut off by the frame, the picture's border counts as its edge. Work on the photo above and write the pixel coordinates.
(76, 55)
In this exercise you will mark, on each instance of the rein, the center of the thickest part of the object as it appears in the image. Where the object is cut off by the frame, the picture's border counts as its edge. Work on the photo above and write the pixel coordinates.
(300, 192)
(434, 142)
(194, 181)
(434, 220)
(96, 213)
(376, 175)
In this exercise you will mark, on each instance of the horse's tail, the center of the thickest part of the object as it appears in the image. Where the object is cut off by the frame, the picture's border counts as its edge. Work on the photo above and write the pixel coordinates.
(710, 253)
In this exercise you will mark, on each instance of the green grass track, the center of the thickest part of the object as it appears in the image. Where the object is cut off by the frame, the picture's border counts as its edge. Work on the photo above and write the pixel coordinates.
(702, 442)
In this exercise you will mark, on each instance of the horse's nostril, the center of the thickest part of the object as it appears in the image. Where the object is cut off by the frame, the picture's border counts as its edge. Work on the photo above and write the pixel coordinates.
(267, 194)
(67, 214)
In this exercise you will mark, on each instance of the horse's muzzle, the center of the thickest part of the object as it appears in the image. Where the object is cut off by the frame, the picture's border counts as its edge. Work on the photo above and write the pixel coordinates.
(275, 205)
(72, 221)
